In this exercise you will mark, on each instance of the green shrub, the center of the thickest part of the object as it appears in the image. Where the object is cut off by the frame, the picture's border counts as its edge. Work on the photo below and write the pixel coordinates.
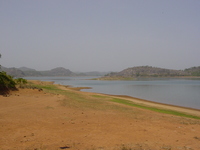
(7, 83)
(21, 82)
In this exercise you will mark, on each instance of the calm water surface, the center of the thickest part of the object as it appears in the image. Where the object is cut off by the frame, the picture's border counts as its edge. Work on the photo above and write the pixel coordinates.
(181, 92)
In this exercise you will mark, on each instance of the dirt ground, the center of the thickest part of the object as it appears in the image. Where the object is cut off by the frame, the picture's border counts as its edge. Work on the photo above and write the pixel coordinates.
(35, 120)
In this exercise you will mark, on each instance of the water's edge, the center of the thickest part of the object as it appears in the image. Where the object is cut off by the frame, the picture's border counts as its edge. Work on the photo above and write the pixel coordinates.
(178, 92)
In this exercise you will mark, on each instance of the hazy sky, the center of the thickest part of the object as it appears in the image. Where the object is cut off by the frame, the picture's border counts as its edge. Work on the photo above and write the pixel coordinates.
(99, 35)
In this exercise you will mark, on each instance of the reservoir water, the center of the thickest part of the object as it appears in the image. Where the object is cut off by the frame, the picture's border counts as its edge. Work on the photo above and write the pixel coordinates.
(180, 92)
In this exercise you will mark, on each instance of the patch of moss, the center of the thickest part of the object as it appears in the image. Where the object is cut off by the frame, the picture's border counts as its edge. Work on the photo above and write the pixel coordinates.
(100, 96)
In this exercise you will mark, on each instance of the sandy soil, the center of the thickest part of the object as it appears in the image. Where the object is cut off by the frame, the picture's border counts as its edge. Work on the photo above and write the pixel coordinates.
(35, 120)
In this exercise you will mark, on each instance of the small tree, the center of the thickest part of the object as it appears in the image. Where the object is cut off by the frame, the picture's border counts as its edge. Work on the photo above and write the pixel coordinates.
(7, 83)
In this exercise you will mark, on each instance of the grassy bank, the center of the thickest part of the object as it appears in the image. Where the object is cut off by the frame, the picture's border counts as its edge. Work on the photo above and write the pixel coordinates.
(165, 111)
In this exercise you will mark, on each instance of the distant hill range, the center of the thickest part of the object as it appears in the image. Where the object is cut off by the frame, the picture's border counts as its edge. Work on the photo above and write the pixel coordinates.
(59, 71)
(148, 71)
(134, 72)
(28, 72)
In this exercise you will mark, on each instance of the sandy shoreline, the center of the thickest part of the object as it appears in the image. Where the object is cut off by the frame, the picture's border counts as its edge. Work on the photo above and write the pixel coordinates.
(38, 120)
(188, 110)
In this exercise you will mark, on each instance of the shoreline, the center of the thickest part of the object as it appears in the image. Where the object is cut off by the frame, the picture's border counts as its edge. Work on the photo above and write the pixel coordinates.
(143, 102)
(149, 103)
(188, 110)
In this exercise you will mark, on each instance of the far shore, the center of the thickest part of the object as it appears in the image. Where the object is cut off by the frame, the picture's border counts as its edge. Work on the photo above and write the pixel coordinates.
(144, 77)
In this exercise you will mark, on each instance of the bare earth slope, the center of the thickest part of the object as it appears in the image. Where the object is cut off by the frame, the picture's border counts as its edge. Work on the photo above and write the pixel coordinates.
(33, 120)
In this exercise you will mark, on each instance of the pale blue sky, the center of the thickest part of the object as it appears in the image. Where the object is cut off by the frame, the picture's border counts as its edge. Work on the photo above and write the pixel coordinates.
(99, 35)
